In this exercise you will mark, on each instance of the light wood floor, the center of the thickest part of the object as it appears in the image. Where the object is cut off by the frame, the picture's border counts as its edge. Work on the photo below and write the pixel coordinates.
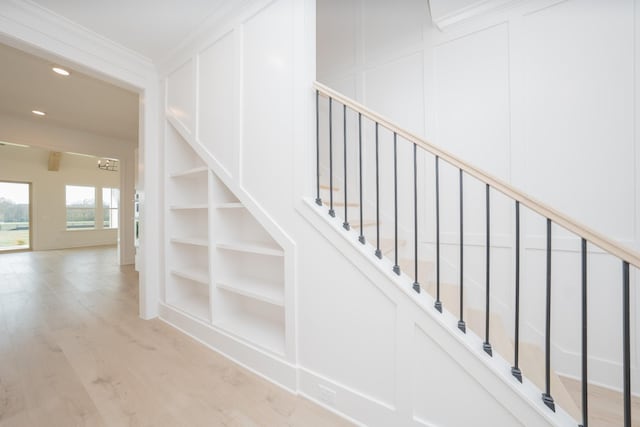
(73, 352)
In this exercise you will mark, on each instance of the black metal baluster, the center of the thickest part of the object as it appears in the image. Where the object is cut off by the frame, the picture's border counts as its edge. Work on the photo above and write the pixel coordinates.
(318, 199)
(585, 412)
(416, 283)
(626, 346)
(331, 211)
(546, 396)
(461, 325)
(378, 251)
(486, 346)
(361, 236)
(345, 224)
(396, 267)
(438, 303)
(515, 369)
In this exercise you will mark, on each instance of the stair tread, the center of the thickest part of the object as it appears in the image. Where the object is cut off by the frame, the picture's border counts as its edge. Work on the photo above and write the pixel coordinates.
(327, 187)
(388, 245)
(531, 361)
(365, 223)
(341, 203)
(531, 356)
(604, 404)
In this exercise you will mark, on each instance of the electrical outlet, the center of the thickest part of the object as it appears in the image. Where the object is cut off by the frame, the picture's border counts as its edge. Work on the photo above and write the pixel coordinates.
(327, 395)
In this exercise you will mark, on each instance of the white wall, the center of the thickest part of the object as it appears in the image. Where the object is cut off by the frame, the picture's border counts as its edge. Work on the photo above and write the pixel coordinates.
(36, 30)
(48, 207)
(240, 92)
(539, 93)
(50, 230)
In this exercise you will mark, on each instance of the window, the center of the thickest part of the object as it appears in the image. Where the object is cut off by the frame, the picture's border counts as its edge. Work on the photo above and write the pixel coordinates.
(81, 207)
(14, 215)
(110, 205)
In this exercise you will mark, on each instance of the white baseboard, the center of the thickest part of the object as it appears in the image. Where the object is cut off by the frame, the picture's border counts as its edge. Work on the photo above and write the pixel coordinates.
(280, 372)
(341, 399)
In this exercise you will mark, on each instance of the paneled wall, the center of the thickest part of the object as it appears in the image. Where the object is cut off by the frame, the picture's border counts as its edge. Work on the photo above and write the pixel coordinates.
(541, 94)
(240, 94)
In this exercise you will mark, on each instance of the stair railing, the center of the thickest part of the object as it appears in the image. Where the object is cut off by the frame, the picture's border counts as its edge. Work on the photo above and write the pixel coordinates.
(626, 256)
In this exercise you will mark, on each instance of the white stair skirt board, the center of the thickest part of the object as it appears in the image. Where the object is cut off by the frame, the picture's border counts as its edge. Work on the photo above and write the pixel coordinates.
(531, 357)
(523, 399)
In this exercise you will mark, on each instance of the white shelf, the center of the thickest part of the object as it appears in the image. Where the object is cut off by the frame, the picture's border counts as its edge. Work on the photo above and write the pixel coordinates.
(189, 207)
(271, 293)
(257, 330)
(193, 305)
(192, 274)
(230, 205)
(194, 241)
(254, 248)
(189, 172)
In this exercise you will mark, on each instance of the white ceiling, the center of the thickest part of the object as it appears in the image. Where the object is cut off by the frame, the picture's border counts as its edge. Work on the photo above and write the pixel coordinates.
(78, 101)
(150, 27)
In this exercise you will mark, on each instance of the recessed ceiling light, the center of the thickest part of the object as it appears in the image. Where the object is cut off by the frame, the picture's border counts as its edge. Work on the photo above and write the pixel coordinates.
(60, 71)
(39, 113)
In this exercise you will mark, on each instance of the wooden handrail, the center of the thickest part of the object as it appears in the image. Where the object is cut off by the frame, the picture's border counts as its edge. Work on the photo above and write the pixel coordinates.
(603, 242)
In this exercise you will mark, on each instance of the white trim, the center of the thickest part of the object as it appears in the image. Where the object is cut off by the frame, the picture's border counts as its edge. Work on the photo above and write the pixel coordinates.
(478, 8)
(29, 27)
(39, 28)
(281, 372)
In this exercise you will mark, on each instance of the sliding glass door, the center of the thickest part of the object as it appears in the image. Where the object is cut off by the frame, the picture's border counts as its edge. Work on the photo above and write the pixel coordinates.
(15, 218)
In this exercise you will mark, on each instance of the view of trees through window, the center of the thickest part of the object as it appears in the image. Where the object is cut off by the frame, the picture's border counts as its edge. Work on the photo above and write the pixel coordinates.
(14, 215)
(81, 207)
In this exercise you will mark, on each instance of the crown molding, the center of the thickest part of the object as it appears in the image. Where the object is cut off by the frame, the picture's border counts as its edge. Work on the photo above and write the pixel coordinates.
(31, 27)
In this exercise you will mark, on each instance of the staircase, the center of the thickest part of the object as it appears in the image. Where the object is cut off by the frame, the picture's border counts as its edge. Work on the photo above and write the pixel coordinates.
(584, 402)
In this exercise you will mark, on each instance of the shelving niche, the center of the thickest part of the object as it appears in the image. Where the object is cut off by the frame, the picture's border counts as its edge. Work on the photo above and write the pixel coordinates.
(248, 274)
(223, 268)
(187, 278)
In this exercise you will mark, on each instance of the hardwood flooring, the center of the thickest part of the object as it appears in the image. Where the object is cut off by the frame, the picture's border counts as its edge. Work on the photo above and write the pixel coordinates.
(73, 352)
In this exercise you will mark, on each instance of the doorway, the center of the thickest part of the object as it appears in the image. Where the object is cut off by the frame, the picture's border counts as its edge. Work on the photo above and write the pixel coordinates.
(15, 216)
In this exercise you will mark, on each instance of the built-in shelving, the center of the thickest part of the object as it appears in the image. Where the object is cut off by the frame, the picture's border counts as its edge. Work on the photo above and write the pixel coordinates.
(188, 207)
(248, 274)
(230, 205)
(261, 290)
(189, 172)
(223, 267)
(194, 241)
(193, 299)
(262, 326)
(187, 256)
(254, 248)
(192, 274)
